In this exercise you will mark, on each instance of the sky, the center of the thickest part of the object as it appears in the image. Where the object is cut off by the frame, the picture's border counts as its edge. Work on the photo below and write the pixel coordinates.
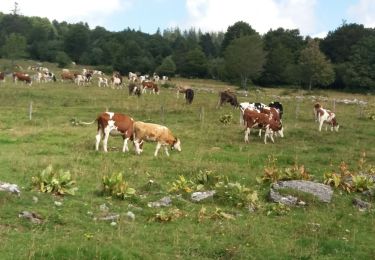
(312, 17)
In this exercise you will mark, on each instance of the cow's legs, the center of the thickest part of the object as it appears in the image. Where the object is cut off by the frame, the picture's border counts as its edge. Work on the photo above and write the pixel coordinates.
(320, 125)
(137, 144)
(157, 149)
(125, 148)
(166, 150)
(107, 130)
(247, 132)
(260, 133)
(98, 137)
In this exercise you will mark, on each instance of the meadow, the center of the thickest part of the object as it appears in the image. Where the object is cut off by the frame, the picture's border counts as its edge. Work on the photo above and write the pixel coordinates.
(29, 143)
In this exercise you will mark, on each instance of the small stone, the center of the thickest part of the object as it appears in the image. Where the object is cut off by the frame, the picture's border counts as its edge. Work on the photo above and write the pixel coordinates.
(58, 203)
(35, 199)
(103, 207)
(130, 215)
(113, 223)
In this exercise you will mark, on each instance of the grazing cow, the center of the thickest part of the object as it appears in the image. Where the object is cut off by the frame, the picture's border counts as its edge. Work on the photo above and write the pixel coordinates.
(156, 133)
(228, 96)
(132, 76)
(110, 123)
(278, 106)
(151, 86)
(80, 79)
(189, 96)
(134, 89)
(254, 119)
(2, 77)
(67, 76)
(325, 116)
(102, 82)
(181, 90)
(21, 77)
(116, 81)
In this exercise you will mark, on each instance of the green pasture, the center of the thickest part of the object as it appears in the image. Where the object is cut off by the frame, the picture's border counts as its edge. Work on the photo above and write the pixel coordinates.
(36, 130)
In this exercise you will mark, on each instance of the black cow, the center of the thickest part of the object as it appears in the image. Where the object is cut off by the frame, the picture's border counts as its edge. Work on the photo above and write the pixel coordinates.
(189, 95)
(278, 106)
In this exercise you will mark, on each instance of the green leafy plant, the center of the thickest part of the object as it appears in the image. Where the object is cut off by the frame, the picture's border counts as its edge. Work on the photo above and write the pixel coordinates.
(57, 182)
(181, 185)
(167, 215)
(226, 119)
(341, 179)
(238, 194)
(218, 213)
(270, 172)
(116, 186)
(207, 180)
(278, 209)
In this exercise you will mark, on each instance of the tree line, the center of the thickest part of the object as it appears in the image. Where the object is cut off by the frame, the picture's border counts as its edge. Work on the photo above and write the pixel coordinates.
(344, 59)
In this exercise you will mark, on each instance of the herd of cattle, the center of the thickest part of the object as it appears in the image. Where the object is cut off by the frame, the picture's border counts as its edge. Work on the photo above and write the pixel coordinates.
(267, 118)
(255, 115)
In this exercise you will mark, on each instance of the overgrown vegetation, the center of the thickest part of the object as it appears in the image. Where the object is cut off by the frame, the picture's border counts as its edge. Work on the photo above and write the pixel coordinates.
(57, 182)
(115, 185)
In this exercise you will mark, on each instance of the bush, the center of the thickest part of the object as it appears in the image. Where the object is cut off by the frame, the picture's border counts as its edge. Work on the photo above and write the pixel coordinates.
(116, 186)
(57, 182)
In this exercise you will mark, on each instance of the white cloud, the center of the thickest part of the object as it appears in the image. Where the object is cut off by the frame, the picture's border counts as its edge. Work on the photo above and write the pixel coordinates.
(94, 12)
(217, 15)
(363, 13)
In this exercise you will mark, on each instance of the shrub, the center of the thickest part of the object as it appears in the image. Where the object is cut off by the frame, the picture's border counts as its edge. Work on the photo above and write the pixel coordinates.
(226, 119)
(116, 186)
(58, 182)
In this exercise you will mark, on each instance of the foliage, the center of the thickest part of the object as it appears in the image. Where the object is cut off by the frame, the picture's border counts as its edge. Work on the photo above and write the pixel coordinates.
(14, 46)
(235, 31)
(57, 182)
(167, 67)
(116, 186)
(278, 209)
(181, 185)
(226, 119)
(217, 214)
(207, 180)
(271, 173)
(244, 58)
(315, 68)
(168, 215)
(350, 181)
(370, 111)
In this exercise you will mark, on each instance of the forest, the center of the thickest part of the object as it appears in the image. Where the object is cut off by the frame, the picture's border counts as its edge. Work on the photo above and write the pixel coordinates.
(343, 60)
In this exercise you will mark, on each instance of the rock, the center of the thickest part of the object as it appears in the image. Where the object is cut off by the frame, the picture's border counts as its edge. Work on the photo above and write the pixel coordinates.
(110, 217)
(321, 191)
(201, 195)
(287, 200)
(13, 188)
(361, 205)
(135, 208)
(130, 215)
(103, 208)
(35, 199)
(33, 217)
(113, 223)
(58, 203)
(163, 202)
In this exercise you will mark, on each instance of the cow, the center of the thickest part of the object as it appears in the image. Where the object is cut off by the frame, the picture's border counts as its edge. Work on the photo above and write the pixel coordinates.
(278, 106)
(110, 123)
(22, 77)
(67, 76)
(132, 76)
(2, 77)
(102, 82)
(254, 119)
(151, 86)
(116, 82)
(156, 133)
(228, 96)
(134, 89)
(325, 116)
(181, 90)
(189, 96)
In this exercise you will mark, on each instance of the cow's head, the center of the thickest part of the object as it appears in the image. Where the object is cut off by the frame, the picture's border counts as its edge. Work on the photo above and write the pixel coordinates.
(176, 145)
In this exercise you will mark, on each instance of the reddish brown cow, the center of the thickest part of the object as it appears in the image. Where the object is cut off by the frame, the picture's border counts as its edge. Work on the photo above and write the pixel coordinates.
(254, 119)
(21, 77)
(149, 85)
(67, 76)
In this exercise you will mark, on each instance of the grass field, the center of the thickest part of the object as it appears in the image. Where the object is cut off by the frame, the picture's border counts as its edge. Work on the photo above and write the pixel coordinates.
(317, 231)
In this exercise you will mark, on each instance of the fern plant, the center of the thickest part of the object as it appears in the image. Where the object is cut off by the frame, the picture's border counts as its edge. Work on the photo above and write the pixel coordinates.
(58, 182)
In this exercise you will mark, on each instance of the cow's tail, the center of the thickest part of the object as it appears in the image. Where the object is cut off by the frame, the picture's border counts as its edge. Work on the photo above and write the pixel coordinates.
(77, 122)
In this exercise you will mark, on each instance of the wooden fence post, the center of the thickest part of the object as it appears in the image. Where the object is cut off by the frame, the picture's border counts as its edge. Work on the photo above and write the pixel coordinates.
(201, 115)
(162, 113)
(31, 110)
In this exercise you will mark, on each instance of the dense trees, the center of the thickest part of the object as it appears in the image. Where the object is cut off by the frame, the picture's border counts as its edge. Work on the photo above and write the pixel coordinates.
(279, 57)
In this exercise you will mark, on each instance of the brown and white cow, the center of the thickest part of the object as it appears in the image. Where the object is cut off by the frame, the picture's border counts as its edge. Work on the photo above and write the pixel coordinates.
(156, 133)
(66, 75)
(325, 116)
(255, 119)
(2, 77)
(110, 123)
(151, 86)
(19, 76)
